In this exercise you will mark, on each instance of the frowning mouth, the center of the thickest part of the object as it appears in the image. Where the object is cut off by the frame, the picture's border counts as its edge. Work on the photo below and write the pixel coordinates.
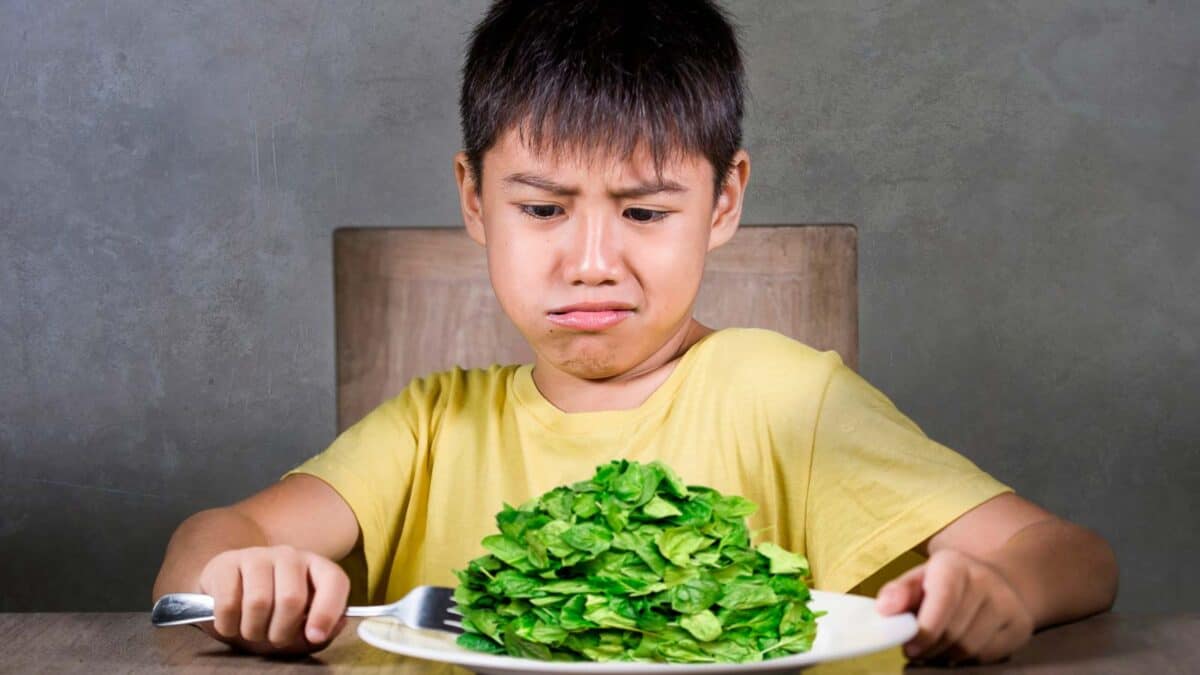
(590, 316)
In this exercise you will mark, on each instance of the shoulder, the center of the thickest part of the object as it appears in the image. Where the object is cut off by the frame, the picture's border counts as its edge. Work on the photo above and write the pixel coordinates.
(760, 374)
(452, 393)
(766, 359)
(458, 381)
(763, 339)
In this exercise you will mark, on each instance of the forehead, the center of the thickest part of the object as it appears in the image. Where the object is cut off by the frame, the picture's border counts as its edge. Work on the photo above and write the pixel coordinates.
(513, 152)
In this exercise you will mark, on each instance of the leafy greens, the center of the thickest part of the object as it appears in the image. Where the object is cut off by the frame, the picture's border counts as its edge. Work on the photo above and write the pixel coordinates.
(633, 565)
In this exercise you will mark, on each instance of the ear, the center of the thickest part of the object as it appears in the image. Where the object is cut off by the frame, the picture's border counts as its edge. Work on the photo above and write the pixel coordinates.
(469, 198)
(727, 212)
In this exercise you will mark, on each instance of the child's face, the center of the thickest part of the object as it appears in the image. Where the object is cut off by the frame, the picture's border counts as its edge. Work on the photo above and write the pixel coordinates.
(597, 262)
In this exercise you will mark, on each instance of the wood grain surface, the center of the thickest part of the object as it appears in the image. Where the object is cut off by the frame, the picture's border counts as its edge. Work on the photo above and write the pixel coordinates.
(412, 301)
(1119, 644)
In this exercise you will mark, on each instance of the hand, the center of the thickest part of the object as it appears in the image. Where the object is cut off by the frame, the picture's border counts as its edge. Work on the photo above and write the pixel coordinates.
(275, 600)
(966, 610)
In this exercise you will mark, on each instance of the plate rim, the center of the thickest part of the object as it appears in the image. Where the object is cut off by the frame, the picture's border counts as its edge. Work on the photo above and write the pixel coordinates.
(906, 625)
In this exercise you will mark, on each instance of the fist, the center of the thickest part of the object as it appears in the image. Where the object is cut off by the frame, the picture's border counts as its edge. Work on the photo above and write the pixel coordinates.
(275, 600)
(966, 610)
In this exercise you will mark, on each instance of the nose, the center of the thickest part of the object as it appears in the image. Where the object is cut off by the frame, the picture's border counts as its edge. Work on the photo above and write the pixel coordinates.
(593, 255)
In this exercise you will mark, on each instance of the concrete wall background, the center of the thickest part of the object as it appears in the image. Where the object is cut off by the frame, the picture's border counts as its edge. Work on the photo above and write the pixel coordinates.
(1024, 175)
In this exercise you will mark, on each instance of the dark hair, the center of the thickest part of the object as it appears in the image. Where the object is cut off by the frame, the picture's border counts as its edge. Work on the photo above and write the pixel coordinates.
(604, 75)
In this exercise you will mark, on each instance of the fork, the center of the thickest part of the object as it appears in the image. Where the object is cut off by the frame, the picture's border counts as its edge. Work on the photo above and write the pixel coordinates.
(423, 607)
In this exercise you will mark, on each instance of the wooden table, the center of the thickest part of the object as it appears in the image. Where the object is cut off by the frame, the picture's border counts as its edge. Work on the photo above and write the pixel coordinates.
(126, 643)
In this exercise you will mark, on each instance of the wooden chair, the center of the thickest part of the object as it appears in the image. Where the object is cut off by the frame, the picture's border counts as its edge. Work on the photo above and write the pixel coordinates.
(412, 301)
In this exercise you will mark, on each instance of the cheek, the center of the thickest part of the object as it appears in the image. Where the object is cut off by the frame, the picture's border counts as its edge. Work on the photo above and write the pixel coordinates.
(514, 277)
(505, 283)
(673, 271)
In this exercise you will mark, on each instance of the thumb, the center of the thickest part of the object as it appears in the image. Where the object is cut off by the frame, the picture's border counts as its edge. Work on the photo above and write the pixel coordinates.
(903, 593)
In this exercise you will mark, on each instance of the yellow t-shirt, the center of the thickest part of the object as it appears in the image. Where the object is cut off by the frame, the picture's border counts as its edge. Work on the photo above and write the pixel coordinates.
(838, 472)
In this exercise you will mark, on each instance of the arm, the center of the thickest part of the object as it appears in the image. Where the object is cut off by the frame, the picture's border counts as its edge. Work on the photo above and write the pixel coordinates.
(259, 558)
(1061, 571)
(996, 574)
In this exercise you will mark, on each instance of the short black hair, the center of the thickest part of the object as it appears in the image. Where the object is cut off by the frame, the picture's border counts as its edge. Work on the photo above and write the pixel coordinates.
(605, 75)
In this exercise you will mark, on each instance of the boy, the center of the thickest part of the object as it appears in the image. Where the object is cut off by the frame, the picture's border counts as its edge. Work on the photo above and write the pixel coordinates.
(603, 161)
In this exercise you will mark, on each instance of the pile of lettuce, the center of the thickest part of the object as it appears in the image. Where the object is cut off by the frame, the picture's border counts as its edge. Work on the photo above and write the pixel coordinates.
(633, 565)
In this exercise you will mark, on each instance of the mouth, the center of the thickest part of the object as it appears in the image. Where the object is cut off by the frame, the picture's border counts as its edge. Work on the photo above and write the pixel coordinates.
(590, 316)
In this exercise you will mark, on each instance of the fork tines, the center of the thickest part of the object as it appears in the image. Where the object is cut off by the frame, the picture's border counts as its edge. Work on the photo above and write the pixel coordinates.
(438, 610)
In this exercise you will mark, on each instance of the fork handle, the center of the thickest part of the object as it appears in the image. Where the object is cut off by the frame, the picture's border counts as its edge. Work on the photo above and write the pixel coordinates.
(370, 610)
(181, 609)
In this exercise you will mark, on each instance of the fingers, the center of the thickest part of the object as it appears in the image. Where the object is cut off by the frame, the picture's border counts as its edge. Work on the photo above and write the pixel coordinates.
(275, 599)
(258, 596)
(986, 628)
(1004, 636)
(222, 580)
(973, 606)
(1008, 639)
(945, 581)
(902, 594)
(291, 599)
(330, 590)
(969, 612)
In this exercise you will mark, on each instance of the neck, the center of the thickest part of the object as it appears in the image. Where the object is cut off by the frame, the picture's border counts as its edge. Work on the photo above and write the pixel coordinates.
(622, 392)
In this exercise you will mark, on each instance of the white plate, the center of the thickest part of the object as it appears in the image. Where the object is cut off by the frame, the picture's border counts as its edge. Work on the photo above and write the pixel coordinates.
(851, 628)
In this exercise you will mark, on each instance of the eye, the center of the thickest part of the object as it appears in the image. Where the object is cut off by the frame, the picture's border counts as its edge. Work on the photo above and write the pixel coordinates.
(542, 211)
(644, 215)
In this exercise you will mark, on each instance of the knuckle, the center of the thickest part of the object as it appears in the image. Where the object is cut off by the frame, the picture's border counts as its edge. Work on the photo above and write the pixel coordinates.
(257, 602)
(244, 553)
(977, 573)
(248, 556)
(218, 567)
(226, 605)
(322, 566)
(330, 576)
(291, 601)
(938, 562)
(950, 557)
(946, 572)
(283, 550)
(936, 621)
(339, 582)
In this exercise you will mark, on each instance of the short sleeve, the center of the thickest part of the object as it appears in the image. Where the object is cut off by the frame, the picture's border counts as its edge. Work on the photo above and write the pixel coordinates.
(878, 486)
(371, 465)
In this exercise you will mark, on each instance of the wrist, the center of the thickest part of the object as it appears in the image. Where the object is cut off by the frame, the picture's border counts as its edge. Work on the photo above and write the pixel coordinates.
(1011, 570)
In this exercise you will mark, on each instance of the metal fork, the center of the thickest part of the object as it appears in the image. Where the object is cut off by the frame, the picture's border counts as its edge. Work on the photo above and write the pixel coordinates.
(423, 607)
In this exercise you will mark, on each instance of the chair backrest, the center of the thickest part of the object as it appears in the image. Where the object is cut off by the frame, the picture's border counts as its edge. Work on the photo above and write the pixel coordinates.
(412, 301)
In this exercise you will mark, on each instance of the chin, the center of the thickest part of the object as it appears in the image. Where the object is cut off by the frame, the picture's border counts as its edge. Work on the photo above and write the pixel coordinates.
(589, 357)
(586, 368)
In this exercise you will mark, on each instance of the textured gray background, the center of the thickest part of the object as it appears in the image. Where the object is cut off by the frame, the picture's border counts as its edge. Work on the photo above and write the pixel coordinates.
(1024, 176)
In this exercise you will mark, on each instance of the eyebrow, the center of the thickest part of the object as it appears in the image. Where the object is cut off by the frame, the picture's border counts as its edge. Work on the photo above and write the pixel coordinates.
(639, 190)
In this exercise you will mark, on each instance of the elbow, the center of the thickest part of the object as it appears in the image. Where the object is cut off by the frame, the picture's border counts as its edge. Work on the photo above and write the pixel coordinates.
(178, 563)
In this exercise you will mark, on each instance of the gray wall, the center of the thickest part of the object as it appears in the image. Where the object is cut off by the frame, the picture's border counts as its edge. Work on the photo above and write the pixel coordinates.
(1024, 175)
